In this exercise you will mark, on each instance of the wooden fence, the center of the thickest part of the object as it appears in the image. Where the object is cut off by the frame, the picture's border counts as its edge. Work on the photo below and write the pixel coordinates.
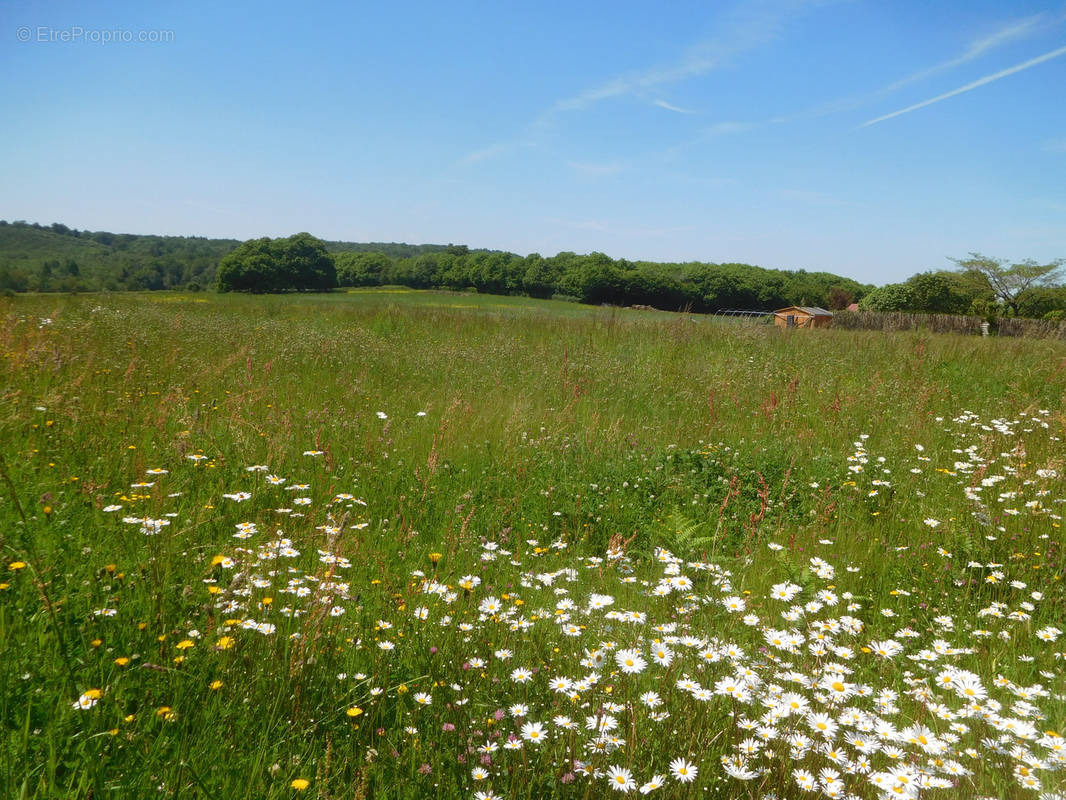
(947, 323)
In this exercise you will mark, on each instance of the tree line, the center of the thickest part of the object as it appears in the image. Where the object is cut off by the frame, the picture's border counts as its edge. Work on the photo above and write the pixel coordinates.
(34, 257)
(596, 278)
(979, 286)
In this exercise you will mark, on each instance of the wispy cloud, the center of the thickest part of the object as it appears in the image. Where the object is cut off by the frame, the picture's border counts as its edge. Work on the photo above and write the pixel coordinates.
(669, 107)
(1009, 33)
(693, 65)
(751, 26)
(1003, 73)
(486, 152)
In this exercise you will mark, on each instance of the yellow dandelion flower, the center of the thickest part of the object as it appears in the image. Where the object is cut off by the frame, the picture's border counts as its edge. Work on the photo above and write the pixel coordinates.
(214, 686)
(185, 644)
(16, 565)
(122, 661)
(299, 784)
(354, 711)
(225, 643)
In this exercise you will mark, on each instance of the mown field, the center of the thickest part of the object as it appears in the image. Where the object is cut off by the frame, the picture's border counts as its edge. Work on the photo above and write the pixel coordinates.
(404, 544)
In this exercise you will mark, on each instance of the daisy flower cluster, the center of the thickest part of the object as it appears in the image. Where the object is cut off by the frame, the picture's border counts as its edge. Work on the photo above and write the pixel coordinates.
(781, 673)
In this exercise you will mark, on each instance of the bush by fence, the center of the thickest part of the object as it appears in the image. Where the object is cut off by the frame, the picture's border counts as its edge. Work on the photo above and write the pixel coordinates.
(947, 323)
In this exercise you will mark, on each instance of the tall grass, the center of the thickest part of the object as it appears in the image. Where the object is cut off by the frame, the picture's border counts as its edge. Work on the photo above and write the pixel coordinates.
(434, 438)
(949, 323)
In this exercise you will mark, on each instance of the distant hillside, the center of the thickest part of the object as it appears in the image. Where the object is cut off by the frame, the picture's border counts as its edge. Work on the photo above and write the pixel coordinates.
(36, 257)
(56, 258)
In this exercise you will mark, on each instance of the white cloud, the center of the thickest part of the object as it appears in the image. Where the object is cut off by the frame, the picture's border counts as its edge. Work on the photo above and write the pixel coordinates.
(971, 86)
(1011, 32)
(669, 107)
(751, 26)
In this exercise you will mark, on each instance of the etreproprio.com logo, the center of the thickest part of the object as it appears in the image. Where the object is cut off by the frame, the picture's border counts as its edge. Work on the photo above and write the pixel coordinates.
(72, 34)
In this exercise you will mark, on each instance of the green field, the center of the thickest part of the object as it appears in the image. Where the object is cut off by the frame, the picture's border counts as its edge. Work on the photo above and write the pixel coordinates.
(405, 544)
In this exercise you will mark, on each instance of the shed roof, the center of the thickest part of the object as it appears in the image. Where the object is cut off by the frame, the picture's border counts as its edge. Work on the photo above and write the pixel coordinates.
(813, 311)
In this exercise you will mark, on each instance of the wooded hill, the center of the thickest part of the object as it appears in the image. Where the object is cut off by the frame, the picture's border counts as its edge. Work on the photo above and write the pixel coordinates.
(58, 258)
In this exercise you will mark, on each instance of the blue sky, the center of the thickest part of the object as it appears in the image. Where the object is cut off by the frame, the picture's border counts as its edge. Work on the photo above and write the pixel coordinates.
(870, 139)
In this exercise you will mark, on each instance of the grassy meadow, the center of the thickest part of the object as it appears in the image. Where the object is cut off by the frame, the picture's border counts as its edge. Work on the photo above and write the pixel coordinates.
(403, 544)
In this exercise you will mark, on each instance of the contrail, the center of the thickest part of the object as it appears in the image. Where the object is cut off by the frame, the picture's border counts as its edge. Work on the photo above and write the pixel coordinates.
(668, 107)
(981, 82)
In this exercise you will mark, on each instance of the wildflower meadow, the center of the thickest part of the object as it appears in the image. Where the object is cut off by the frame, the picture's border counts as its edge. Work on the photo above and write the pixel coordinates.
(404, 544)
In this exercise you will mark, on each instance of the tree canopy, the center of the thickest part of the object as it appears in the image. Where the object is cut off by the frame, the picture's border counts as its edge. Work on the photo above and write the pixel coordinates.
(1008, 282)
(58, 258)
(299, 263)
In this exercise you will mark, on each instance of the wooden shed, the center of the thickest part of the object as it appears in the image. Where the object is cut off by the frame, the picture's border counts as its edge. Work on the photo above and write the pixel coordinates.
(803, 317)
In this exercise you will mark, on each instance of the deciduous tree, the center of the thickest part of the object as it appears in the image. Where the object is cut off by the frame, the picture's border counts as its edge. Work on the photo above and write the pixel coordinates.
(1005, 281)
(299, 263)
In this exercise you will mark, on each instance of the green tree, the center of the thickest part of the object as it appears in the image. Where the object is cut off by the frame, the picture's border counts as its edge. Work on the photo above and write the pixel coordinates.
(892, 297)
(1038, 303)
(940, 293)
(594, 278)
(362, 269)
(540, 276)
(1007, 282)
(252, 267)
(307, 264)
(299, 263)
